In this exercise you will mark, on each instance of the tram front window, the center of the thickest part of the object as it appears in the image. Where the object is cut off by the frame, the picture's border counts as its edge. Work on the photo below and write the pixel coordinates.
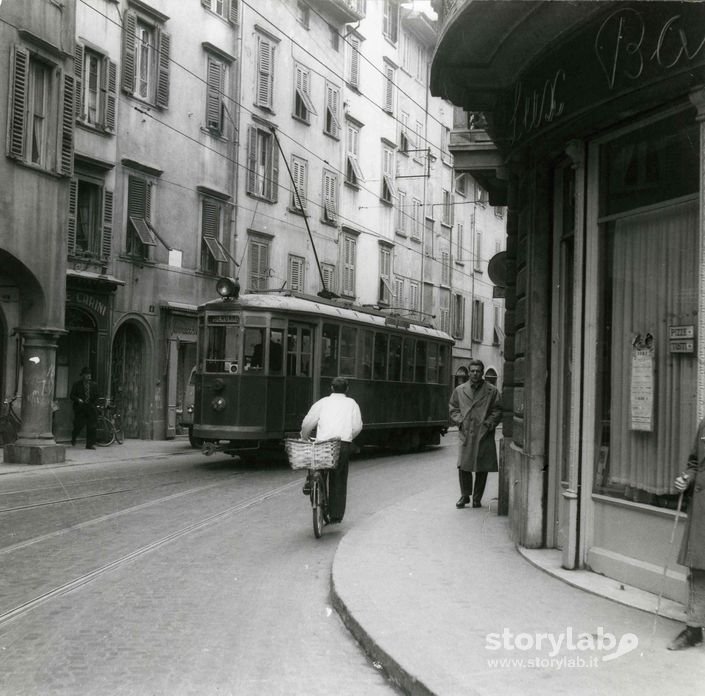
(254, 349)
(222, 351)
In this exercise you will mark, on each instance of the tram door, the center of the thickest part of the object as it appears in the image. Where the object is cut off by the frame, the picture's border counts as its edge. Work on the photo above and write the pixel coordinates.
(298, 392)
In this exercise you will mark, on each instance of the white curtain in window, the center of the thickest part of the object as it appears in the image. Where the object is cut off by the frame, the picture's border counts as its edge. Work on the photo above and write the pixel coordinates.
(655, 286)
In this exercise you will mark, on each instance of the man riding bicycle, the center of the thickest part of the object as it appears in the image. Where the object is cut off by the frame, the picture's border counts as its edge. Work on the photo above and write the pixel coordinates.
(335, 416)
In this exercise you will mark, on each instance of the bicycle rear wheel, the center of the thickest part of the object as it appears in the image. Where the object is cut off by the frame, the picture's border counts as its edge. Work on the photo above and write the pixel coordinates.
(104, 433)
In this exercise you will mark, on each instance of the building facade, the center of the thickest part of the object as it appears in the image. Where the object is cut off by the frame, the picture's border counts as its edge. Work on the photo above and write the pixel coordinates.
(595, 113)
(293, 145)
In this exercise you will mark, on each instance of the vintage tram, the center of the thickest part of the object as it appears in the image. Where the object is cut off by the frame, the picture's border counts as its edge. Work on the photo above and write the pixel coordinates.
(264, 358)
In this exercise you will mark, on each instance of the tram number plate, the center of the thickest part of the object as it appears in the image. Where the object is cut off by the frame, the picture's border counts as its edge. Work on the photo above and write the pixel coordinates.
(224, 319)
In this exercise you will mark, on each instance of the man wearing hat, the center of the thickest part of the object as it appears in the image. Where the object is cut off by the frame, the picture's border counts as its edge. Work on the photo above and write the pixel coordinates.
(84, 395)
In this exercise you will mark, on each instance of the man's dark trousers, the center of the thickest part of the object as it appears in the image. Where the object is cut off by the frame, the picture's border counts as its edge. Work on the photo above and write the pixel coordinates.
(466, 489)
(338, 484)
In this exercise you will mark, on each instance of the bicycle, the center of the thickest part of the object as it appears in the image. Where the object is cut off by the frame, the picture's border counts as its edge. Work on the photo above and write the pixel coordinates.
(109, 424)
(10, 422)
(318, 457)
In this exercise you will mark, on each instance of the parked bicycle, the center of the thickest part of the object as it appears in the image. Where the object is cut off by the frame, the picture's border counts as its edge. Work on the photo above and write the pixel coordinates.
(10, 422)
(319, 457)
(109, 425)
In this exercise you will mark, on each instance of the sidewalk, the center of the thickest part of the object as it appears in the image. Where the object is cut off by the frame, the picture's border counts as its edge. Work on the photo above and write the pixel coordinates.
(443, 600)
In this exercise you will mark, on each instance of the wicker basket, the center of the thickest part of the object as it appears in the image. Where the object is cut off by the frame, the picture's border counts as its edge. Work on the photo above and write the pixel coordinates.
(312, 454)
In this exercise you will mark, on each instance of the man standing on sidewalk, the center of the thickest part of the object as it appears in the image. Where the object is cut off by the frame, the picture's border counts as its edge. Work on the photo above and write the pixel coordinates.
(335, 416)
(692, 552)
(475, 408)
(84, 395)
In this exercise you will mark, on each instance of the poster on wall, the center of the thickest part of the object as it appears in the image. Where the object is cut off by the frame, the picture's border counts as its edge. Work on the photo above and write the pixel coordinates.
(642, 383)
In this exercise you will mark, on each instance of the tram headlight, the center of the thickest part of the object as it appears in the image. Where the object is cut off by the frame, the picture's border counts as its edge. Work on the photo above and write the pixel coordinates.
(228, 288)
(218, 404)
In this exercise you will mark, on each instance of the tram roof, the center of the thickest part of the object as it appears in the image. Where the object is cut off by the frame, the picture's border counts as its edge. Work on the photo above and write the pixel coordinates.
(316, 307)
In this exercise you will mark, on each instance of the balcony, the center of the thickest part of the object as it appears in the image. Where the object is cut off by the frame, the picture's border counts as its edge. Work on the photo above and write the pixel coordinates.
(342, 11)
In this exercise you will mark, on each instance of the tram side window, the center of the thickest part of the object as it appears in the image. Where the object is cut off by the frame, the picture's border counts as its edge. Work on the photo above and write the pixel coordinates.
(276, 351)
(223, 348)
(306, 352)
(395, 358)
(366, 355)
(443, 364)
(432, 363)
(380, 364)
(254, 350)
(408, 375)
(348, 344)
(292, 351)
(420, 361)
(329, 351)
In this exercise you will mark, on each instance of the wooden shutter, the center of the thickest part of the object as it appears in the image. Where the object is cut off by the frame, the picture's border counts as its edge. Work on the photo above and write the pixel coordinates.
(67, 120)
(107, 241)
(214, 81)
(18, 103)
(109, 94)
(235, 11)
(78, 79)
(73, 208)
(349, 265)
(388, 89)
(206, 4)
(296, 268)
(210, 225)
(274, 154)
(252, 160)
(129, 36)
(354, 61)
(162, 100)
(265, 81)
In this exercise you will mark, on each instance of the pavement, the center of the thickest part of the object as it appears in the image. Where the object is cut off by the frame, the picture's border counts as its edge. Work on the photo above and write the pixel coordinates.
(445, 603)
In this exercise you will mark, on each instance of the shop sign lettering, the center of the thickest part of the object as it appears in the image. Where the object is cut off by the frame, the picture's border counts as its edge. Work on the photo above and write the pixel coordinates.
(538, 106)
(90, 301)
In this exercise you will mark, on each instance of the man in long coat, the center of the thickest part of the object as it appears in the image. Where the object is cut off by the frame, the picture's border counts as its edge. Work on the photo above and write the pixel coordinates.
(475, 408)
(692, 552)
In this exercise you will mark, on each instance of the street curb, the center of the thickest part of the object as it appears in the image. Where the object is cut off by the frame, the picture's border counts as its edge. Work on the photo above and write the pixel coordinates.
(399, 676)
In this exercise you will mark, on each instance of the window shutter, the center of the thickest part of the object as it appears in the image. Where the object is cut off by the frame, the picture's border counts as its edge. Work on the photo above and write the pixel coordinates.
(129, 36)
(274, 191)
(18, 103)
(235, 11)
(206, 4)
(355, 61)
(162, 100)
(213, 97)
(78, 80)
(66, 162)
(210, 224)
(265, 73)
(388, 89)
(251, 160)
(73, 208)
(295, 273)
(110, 94)
(107, 240)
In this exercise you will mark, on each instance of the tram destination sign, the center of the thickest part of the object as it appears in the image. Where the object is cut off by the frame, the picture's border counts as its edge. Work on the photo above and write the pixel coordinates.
(224, 319)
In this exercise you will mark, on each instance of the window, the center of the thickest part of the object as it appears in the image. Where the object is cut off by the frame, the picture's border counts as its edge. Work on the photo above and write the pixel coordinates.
(498, 331)
(390, 20)
(420, 362)
(365, 367)
(445, 267)
(263, 164)
(388, 189)
(477, 255)
(394, 362)
(447, 214)
(227, 9)
(258, 263)
(379, 370)
(95, 78)
(299, 174)
(348, 349)
(399, 297)
(334, 37)
(330, 197)
(328, 270)
(444, 310)
(349, 254)
(388, 92)
(459, 242)
(404, 135)
(216, 74)
(458, 316)
(478, 320)
(145, 60)
(90, 221)
(445, 145)
(295, 275)
(264, 89)
(385, 275)
(140, 233)
(303, 106)
(212, 224)
(253, 349)
(418, 154)
(461, 184)
(417, 219)
(480, 195)
(303, 13)
(409, 346)
(332, 119)
(428, 238)
(353, 173)
(330, 334)
(402, 214)
(40, 119)
(414, 296)
(353, 72)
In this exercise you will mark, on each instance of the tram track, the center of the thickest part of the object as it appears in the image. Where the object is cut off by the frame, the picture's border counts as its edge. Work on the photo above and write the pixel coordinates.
(75, 584)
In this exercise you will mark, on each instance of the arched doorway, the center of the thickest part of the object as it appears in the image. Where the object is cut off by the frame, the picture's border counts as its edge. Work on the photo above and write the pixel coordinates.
(128, 377)
(461, 375)
(491, 375)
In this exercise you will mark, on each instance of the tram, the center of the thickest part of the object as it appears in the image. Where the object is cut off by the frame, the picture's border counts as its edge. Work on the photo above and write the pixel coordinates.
(264, 358)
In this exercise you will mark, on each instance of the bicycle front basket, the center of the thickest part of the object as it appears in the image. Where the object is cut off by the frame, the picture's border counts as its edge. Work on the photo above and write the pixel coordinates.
(312, 454)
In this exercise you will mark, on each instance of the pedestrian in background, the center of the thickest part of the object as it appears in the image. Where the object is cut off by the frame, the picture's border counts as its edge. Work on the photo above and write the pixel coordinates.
(475, 408)
(335, 416)
(84, 396)
(692, 551)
